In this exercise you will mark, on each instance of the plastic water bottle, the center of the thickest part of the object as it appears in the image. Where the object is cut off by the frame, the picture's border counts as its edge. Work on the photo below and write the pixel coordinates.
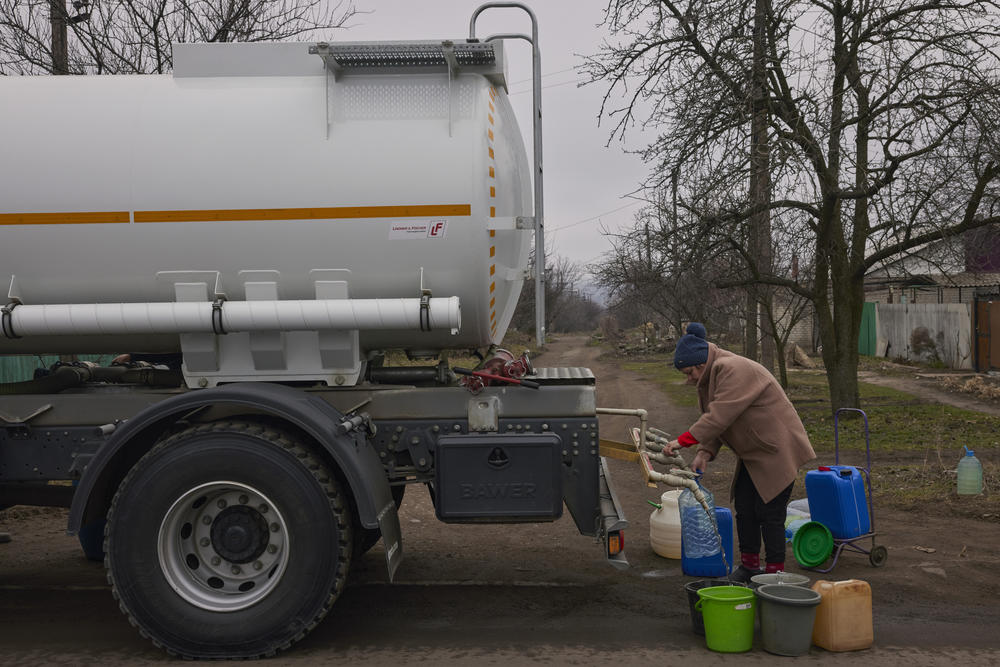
(701, 536)
(970, 474)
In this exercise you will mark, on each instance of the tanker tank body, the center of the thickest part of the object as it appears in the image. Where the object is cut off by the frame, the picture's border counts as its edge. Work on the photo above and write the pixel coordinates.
(259, 172)
(278, 213)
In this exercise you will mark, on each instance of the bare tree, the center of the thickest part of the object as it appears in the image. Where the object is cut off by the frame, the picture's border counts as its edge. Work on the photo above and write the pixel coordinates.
(682, 274)
(659, 268)
(134, 36)
(567, 306)
(878, 121)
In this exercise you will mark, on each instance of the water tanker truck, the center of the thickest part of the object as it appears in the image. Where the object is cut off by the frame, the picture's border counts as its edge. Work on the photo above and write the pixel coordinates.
(266, 222)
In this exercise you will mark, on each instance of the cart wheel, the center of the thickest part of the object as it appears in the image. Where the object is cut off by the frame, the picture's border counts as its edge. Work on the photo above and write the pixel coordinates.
(878, 556)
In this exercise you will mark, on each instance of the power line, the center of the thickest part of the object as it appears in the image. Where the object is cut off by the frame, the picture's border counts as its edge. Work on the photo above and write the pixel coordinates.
(599, 215)
(551, 85)
(562, 71)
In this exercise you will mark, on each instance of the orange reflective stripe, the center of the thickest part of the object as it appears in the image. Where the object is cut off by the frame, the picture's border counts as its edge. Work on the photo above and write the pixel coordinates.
(87, 218)
(338, 212)
(225, 215)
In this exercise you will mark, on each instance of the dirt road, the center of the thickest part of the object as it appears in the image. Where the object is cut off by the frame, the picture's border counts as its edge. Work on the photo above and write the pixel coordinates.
(537, 593)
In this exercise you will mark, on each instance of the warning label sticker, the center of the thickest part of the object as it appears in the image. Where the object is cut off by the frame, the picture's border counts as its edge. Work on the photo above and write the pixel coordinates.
(418, 229)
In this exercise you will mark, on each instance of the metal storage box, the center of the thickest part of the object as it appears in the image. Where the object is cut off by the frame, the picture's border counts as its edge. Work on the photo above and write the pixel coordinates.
(498, 478)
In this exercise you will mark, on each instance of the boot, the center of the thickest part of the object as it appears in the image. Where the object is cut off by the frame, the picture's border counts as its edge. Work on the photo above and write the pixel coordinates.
(772, 568)
(749, 567)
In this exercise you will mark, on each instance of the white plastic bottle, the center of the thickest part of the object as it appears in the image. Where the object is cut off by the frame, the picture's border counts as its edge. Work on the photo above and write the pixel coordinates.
(970, 474)
(665, 526)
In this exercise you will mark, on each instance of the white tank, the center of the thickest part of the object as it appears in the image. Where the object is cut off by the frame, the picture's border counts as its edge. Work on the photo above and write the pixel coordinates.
(252, 164)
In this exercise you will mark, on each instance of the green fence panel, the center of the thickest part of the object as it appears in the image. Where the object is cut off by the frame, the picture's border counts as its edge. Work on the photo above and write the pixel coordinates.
(866, 337)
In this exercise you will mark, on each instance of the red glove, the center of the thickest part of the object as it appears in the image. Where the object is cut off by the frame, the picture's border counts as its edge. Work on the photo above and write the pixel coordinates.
(685, 439)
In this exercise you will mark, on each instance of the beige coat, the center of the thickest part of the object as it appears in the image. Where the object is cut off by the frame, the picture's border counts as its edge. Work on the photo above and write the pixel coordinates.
(743, 406)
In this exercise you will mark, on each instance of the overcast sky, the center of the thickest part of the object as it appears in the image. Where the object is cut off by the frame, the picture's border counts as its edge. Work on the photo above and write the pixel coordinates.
(585, 182)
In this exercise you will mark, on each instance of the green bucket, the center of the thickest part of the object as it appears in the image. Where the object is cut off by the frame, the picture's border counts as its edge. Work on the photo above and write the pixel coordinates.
(728, 612)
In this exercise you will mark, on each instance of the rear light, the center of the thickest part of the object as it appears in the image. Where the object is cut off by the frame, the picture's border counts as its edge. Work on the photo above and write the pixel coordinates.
(616, 542)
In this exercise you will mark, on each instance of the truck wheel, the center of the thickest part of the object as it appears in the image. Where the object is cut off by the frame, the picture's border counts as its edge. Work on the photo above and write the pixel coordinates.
(228, 540)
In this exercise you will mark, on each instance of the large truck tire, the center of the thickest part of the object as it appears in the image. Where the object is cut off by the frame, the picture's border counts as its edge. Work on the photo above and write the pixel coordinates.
(228, 540)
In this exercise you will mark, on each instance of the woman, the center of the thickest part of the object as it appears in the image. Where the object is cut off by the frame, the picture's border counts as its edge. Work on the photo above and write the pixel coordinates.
(744, 407)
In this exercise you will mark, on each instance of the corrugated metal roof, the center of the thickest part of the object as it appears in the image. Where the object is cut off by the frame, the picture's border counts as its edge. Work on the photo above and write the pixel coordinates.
(937, 280)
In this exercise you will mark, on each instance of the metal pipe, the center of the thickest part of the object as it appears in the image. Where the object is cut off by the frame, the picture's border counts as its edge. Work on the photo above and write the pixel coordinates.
(82, 319)
(536, 125)
(409, 375)
(640, 413)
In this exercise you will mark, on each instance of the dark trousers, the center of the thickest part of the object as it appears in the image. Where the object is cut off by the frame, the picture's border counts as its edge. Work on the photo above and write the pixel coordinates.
(755, 518)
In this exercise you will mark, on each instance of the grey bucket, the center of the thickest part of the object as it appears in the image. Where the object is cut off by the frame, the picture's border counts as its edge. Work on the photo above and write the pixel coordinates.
(692, 588)
(787, 614)
(787, 578)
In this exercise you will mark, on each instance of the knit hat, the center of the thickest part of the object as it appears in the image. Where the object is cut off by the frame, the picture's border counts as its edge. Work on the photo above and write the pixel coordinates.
(692, 348)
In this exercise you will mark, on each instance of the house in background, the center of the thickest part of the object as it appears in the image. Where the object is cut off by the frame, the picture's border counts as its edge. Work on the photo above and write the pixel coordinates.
(940, 303)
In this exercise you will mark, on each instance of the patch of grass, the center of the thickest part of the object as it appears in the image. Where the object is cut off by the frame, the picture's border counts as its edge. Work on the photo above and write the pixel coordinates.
(913, 427)
(810, 387)
(930, 488)
(518, 341)
(668, 378)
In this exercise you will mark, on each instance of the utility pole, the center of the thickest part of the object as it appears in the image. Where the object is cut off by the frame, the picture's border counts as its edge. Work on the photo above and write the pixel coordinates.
(760, 190)
(60, 49)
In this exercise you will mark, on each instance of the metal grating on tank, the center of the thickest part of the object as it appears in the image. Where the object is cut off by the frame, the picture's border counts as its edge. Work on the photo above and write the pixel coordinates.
(412, 54)
(454, 57)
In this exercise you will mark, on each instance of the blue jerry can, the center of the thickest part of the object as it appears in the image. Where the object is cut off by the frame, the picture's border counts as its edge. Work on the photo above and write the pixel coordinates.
(713, 566)
(837, 500)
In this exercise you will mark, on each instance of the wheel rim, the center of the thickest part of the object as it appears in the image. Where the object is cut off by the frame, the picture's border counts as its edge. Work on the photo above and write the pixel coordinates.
(223, 546)
(878, 556)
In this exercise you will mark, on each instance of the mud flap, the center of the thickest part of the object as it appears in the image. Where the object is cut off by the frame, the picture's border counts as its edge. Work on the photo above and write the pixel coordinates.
(388, 523)
(612, 522)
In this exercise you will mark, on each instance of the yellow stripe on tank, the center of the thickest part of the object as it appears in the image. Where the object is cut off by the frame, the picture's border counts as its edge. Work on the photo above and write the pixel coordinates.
(238, 215)
(326, 213)
(85, 218)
